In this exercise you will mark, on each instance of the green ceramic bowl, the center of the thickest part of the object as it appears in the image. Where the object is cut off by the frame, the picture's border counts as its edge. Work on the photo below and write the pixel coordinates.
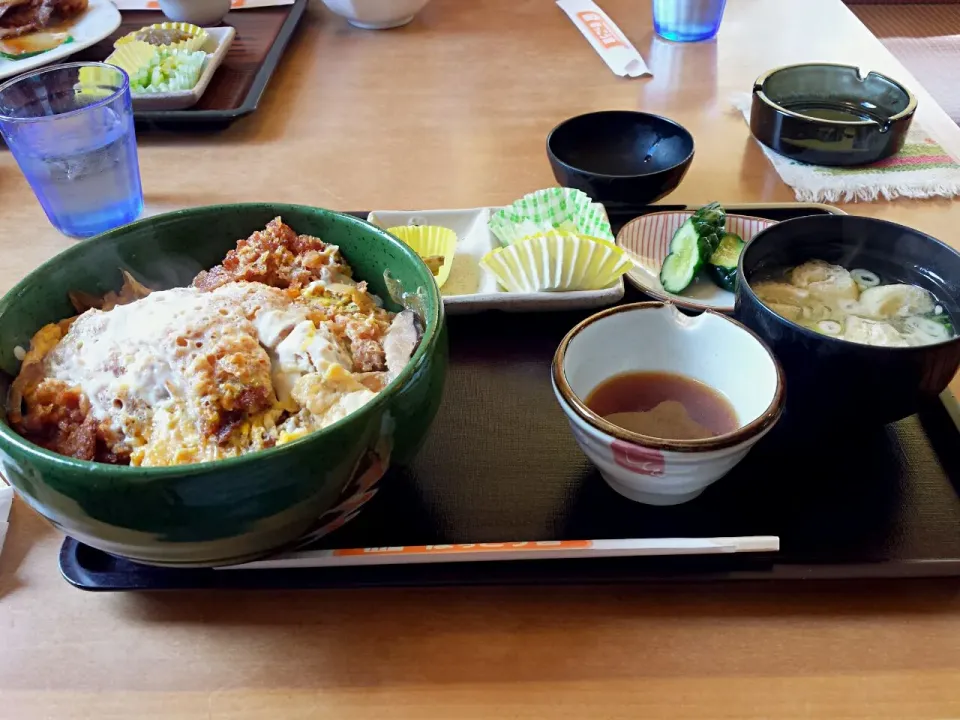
(238, 509)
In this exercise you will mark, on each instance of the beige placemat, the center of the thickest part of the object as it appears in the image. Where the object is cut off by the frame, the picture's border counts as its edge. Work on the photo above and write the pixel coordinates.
(922, 169)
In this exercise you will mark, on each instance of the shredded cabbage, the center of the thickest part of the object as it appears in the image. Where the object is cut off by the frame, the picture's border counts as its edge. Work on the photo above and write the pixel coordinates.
(169, 70)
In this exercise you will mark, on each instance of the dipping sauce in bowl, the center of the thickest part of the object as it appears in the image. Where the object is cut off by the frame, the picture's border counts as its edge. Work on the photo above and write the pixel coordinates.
(663, 405)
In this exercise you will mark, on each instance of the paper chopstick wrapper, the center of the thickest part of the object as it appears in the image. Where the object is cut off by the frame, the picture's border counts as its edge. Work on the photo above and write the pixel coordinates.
(541, 550)
(610, 43)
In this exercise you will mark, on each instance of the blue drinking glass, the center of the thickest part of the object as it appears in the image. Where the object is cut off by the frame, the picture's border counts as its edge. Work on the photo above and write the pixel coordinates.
(687, 20)
(70, 128)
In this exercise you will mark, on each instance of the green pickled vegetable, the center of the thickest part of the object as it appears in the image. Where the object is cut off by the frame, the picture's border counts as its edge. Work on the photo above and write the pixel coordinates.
(722, 265)
(692, 244)
(685, 259)
(169, 71)
(710, 221)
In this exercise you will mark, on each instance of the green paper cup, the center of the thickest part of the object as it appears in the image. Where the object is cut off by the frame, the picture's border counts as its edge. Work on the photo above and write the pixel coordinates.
(563, 209)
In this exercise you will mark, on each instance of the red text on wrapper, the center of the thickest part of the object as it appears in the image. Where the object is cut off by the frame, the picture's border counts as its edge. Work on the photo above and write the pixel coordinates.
(598, 26)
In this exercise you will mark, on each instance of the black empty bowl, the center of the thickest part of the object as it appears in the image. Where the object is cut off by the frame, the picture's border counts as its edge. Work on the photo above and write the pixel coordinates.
(826, 114)
(620, 157)
(834, 383)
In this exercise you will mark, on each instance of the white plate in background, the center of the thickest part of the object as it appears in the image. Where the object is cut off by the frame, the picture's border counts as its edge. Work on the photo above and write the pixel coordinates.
(99, 21)
(471, 288)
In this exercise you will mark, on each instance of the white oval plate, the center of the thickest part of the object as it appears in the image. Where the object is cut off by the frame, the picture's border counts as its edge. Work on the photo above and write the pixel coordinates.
(646, 240)
(99, 21)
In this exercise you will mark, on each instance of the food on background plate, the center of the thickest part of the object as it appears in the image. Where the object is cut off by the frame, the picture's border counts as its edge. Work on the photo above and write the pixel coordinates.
(276, 342)
(435, 245)
(702, 243)
(168, 35)
(663, 405)
(554, 240)
(23, 24)
(161, 58)
(556, 261)
(162, 36)
(854, 305)
(25, 46)
(151, 70)
(168, 71)
(158, 70)
(20, 17)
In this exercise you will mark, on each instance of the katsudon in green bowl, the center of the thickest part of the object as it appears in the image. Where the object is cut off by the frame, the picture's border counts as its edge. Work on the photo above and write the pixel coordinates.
(208, 386)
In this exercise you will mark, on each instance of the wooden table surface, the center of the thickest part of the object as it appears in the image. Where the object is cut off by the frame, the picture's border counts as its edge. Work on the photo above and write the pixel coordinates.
(452, 111)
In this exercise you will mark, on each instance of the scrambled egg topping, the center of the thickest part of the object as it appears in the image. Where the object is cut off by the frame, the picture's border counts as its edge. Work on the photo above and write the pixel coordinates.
(258, 352)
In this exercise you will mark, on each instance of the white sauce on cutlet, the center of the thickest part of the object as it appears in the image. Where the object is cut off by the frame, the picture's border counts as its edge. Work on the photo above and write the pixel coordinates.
(125, 359)
(136, 359)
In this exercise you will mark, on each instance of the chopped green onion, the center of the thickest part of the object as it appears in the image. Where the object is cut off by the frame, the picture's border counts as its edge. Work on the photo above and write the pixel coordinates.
(864, 278)
(933, 328)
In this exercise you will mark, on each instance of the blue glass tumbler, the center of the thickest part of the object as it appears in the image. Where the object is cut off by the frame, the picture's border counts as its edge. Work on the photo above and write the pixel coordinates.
(687, 20)
(70, 128)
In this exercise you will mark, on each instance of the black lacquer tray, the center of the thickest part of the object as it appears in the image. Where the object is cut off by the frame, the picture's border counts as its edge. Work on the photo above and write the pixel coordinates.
(238, 84)
(501, 465)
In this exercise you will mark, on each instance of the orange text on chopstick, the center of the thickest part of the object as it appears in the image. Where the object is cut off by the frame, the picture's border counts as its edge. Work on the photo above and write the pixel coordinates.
(597, 25)
(467, 547)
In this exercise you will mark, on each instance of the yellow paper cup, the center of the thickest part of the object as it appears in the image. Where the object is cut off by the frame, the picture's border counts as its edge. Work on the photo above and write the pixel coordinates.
(557, 262)
(95, 83)
(132, 56)
(430, 241)
(198, 36)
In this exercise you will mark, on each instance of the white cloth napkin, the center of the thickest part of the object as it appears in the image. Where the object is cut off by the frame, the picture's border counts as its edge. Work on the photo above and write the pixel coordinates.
(6, 502)
(922, 169)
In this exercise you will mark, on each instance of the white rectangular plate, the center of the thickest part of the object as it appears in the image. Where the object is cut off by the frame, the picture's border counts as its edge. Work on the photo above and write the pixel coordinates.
(97, 23)
(472, 289)
(218, 42)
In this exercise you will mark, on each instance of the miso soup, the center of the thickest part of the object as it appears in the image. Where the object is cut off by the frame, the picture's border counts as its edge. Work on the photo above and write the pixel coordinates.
(856, 305)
